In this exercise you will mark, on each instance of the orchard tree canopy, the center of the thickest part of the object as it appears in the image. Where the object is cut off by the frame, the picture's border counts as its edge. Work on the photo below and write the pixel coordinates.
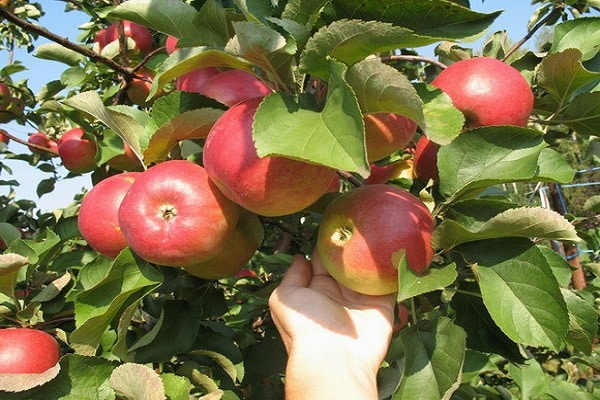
(223, 137)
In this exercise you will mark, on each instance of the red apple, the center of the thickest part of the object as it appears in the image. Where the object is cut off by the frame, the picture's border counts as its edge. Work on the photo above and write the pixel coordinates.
(269, 186)
(77, 153)
(425, 160)
(386, 133)
(98, 219)
(360, 231)
(194, 80)
(5, 95)
(402, 316)
(141, 36)
(41, 139)
(27, 351)
(238, 250)
(101, 40)
(402, 169)
(234, 86)
(138, 89)
(487, 91)
(4, 136)
(171, 44)
(126, 161)
(174, 215)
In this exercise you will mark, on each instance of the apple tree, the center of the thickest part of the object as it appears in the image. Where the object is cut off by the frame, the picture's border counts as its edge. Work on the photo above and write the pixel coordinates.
(216, 136)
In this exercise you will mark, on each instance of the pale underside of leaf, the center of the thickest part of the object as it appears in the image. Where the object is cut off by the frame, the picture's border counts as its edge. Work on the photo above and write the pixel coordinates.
(137, 382)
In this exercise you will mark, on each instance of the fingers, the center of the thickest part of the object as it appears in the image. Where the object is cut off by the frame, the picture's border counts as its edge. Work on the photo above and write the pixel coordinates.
(299, 273)
(317, 265)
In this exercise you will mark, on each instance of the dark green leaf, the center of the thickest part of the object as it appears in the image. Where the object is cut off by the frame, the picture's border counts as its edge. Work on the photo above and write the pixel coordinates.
(583, 113)
(435, 352)
(583, 325)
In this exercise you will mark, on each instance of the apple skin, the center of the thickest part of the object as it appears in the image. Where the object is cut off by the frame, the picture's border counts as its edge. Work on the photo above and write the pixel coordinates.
(174, 215)
(27, 351)
(233, 86)
(425, 160)
(386, 133)
(402, 169)
(4, 136)
(41, 139)
(171, 44)
(487, 91)
(141, 36)
(402, 316)
(194, 80)
(5, 95)
(360, 231)
(77, 153)
(239, 249)
(125, 162)
(98, 218)
(268, 186)
(138, 89)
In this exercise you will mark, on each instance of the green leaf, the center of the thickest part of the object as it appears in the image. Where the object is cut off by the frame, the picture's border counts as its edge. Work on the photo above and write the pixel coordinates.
(264, 47)
(553, 168)
(10, 264)
(530, 378)
(304, 12)
(444, 122)
(486, 156)
(592, 204)
(583, 325)
(124, 125)
(434, 355)
(562, 74)
(482, 332)
(332, 137)
(350, 41)
(136, 381)
(561, 268)
(45, 186)
(380, 88)
(129, 280)
(410, 284)
(579, 33)
(176, 387)
(56, 52)
(174, 333)
(519, 290)
(8, 233)
(583, 113)
(440, 19)
(528, 222)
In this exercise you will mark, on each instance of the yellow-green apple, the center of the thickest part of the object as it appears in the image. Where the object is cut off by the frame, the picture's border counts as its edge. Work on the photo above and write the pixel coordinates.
(174, 215)
(77, 153)
(397, 170)
(27, 351)
(41, 139)
(234, 86)
(98, 218)
(386, 133)
(141, 36)
(487, 91)
(362, 228)
(239, 249)
(269, 186)
(125, 162)
(425, 160)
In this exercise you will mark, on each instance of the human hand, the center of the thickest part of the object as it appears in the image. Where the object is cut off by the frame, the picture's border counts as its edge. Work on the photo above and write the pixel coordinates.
(322, 322)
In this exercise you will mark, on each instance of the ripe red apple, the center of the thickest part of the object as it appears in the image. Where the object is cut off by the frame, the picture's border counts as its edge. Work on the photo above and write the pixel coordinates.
(402, 316)
(425, 160)
(194, 80)
(171, 44)
(402, 169)
(41, 139)
(27, 351)
(234, 86)
(141, 36)
(239, 249)
(126, 161)
(98, 219)
(4, 136)
(174, 215)
(138, 89)
(386, 133)
(487, 91)
(360, 231)
(77, 153)
(5, 95)
(269, 186)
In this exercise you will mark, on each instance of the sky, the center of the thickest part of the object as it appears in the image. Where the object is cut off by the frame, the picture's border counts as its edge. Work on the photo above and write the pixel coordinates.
(514, 20)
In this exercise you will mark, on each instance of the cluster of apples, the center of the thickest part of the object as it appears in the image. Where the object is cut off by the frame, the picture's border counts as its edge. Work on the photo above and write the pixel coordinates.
(11, 107)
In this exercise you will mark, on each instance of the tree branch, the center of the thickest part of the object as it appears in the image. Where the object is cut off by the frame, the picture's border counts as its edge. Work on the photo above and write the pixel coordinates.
(41, 31)
(406, 57)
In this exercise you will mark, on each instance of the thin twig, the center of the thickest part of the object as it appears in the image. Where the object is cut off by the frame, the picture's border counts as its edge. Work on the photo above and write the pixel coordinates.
(536, 27)
(405, 57)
